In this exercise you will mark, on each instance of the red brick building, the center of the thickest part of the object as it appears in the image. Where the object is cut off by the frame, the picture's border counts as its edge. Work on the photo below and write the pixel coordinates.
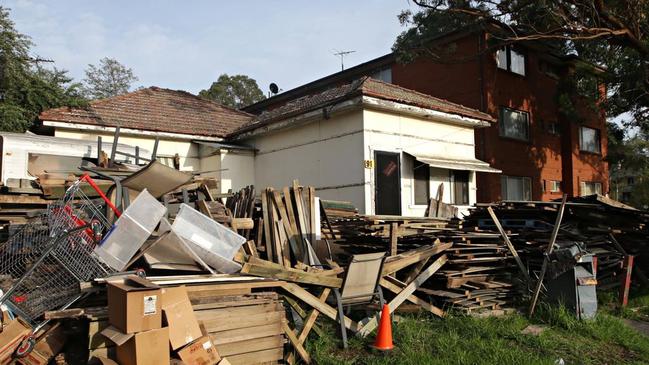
(541, 152)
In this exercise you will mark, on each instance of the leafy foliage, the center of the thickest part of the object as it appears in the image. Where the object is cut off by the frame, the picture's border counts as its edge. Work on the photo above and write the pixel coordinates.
(109, 78)
(234, 91)
(613, 34)
(26, 88)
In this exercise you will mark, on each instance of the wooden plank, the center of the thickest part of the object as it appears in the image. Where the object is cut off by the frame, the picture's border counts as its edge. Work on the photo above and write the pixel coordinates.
(267, 269)
(313, 316)
(253, 345)
(296, 343)
(548, 251)
(250, 248)
(203, 208)
(315, 303)
(412, 274)
(311, 199)
(242, 334)
(299, 205)
(309, 323)
(257, 357)
(394, 236)
(291, 219)
(396, 287)
(372, 322)
(277, 245)
(286, 223)
(509, 244)
(395, 263)
(266, 220)
(219, 323)
(283, 243)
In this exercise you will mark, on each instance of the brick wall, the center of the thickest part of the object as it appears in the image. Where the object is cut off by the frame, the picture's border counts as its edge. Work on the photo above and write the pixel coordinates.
(472, 78)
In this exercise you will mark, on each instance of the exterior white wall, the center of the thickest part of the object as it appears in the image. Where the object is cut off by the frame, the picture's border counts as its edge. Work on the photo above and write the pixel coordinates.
(326, 154)
(167, 147)
(237, 170)
(393, 132)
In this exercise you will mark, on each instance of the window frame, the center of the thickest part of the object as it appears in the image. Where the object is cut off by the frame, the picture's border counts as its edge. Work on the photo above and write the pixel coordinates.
(501, 124)
(595, 184)
(554, 128)
(527, 185)
(552, 186)
(598, 135)
(508, 58)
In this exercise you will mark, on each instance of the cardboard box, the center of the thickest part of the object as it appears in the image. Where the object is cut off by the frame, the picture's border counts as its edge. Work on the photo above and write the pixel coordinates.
(134, 305)
(142, 348)
(11, 337)
(179, 317)
(48, 345)
(200, 352)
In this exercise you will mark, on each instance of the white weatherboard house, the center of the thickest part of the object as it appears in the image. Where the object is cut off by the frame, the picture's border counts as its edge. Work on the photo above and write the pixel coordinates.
(384, 148)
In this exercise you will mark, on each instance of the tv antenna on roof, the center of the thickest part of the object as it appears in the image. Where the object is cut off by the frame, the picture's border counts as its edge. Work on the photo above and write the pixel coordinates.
(342, 55)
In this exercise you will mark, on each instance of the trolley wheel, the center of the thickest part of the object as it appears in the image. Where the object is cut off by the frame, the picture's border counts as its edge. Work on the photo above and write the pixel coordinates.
(25, 347)
(141, 273)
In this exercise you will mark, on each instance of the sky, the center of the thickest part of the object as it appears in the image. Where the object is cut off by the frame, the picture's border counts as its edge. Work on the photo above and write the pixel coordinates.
(186, 45)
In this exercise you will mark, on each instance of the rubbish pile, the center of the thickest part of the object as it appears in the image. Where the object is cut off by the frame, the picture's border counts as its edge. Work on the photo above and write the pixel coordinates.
(609, 230)
(126, 261)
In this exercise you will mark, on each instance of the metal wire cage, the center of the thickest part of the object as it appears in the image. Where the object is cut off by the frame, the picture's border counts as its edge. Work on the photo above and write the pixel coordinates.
(42, 264)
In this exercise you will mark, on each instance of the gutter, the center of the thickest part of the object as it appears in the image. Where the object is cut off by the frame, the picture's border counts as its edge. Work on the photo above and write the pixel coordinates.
(438, 116)
(139, 132)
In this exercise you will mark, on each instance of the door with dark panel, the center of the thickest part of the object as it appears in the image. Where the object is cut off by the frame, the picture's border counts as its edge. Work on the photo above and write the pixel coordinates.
(388, 183)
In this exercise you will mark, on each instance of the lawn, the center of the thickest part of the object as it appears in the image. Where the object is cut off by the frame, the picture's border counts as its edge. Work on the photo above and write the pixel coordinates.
(457, 339)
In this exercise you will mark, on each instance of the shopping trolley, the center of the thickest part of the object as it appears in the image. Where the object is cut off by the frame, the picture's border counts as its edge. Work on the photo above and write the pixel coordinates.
(42, 265)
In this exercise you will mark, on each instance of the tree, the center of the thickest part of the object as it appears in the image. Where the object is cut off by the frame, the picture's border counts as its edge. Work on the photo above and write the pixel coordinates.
(234, 91)
(109, 78)
(613, 34)
(27, 88)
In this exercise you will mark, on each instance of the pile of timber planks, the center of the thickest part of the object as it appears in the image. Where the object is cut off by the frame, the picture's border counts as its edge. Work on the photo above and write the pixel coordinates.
(477, 275)
(605, 228)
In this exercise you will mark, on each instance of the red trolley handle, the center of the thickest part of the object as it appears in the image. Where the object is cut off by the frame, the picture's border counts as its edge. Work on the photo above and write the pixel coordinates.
(92, 183)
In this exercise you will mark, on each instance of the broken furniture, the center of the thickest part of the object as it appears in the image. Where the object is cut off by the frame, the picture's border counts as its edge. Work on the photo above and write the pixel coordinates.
(360, 285)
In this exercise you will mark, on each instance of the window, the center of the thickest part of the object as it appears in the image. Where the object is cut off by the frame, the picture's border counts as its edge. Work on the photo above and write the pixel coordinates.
(553, 128)
(590, 188)
(507, 58)
(589, 140)
(630, 180)
(626, 196)
(514, 124)
(552, 186)
(422, 183)
(384, 75)
(516, 187)
(460, 187)
(549, 69)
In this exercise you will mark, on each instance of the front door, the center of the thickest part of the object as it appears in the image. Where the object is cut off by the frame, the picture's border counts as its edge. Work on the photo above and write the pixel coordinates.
(388, 183)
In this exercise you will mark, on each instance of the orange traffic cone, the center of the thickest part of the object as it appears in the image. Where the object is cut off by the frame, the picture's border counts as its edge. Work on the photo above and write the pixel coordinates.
(384, 336)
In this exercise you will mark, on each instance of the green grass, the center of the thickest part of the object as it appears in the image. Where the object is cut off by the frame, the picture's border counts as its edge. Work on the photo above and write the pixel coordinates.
(423, 339)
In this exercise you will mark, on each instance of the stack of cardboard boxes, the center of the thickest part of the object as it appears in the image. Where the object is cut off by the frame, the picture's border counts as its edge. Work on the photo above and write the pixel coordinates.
(148, 323)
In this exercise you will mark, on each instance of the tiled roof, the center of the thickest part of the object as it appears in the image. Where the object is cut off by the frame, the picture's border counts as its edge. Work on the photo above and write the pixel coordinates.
(368, 87)
(155, 109)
